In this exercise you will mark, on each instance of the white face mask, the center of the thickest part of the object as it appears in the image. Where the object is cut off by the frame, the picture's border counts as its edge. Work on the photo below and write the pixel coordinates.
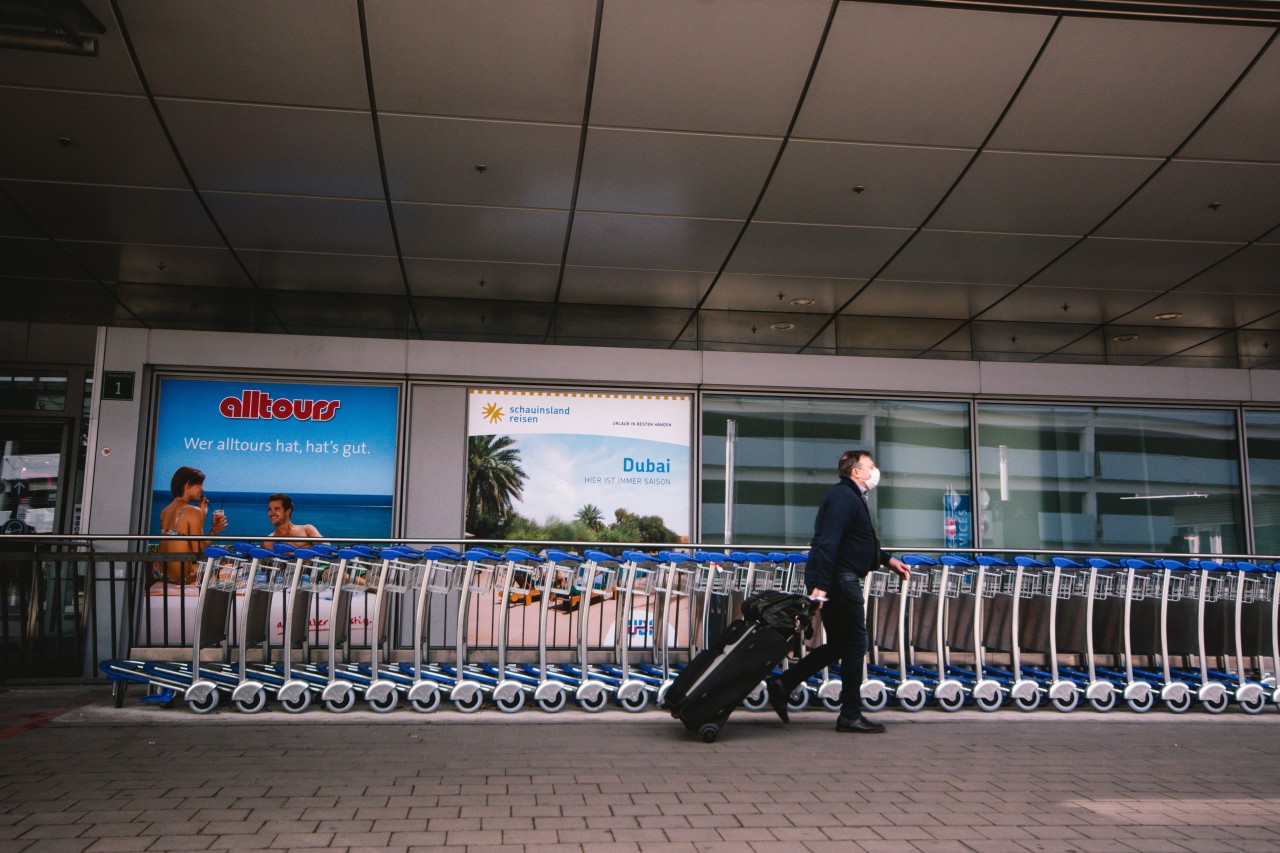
(873, 479)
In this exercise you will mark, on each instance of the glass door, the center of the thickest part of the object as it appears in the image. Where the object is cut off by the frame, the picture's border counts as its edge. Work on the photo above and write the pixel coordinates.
(31, 476)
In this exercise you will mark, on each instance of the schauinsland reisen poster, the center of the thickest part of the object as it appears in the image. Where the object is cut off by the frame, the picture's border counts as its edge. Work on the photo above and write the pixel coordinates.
(614, 464)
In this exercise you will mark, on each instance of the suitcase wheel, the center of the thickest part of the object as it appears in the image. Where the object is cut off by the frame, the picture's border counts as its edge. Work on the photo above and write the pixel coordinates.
(709, 732)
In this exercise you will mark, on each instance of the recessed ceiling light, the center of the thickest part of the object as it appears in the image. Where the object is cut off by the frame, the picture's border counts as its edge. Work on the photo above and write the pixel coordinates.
(1168, 315)
(801, 301)
(782, 327)
(1124, 339)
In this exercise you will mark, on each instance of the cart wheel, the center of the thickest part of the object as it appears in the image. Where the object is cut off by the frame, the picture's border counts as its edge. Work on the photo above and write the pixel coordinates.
(875, 703)
(1254, 705)
(117, 693)
(989, 703)
(951, 703)
(1144, 704)
(342, 704)
(913, 704)
(387, 703)
(426, 704)
(635, 703)
(511, 705)
(555, 704)
(757, 700)
(799, 699)
(708, 733)
(1027, 703)
(833, 704)
(255, 703)
(1217, 706)
(205, 705)
(1068, 703)
(1181, 706)
(298, 705)
(595, 702)
(471, 704)
(1104, 705)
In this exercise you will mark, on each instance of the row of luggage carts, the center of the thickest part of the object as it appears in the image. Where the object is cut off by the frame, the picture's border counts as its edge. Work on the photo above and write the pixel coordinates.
(962, 631)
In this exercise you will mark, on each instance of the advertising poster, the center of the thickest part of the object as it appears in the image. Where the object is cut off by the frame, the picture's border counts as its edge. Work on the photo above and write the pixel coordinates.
(584, 467)
(331, 448)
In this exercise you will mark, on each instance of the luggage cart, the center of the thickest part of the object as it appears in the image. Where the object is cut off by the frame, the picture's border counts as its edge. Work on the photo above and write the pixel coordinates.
(906, 684)
(222, 573)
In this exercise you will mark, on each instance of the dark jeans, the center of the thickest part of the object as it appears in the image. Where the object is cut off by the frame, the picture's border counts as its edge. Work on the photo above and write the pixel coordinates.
(845, 621)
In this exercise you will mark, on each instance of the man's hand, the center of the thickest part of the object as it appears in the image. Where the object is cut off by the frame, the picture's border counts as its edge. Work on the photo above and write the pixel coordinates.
(818, 595)
(899, 568)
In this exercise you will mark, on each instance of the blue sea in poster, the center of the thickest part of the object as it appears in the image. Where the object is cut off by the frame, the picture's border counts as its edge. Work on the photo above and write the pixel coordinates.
(345, 517)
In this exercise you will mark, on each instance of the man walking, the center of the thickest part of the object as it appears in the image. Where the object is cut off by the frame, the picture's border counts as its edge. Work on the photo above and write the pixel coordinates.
(844, 549)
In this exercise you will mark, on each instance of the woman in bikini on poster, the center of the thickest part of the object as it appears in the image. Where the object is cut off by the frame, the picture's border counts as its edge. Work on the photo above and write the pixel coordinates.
(184, 516)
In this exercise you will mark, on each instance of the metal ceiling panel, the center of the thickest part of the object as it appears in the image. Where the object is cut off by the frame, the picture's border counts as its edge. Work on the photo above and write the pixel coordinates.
(957, 345)
(632, 287)
(1270, 321)
(741, 292)
(1091, 348)
(460, 161)
(1006, 191)
(174, 265)
(74, 137)
(1176, 204)
(1125, 87)
(1131, 264)
(840, 183)
(895, 73)
(115, 214)
(1153, 342)
(1028, 339)
(14, 222)
(1247, 126)
(925, 299)
(1222, 345)
(295, 224)
(482, 58)
(303, 52)
(340, 310)
(1201, 309)
(891, 336)
(974, 258)
(1261, 345)
(481, 233)
(605, 322)
(831, 251)
(492, 319)
(681, 174)
(1036, 304)
(482, 280)
(755, 328)
(36, 257)
(209, 307)
(307, 272)
(17, 289)
(650, 242)
(729, 66)
(251, 148)
(110, 71)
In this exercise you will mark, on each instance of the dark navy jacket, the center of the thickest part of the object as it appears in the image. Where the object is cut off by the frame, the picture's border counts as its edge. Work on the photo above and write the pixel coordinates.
(844, 539)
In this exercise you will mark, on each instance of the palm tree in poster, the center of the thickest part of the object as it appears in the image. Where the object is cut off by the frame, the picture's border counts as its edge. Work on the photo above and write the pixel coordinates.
(494, 479)
(591, 516)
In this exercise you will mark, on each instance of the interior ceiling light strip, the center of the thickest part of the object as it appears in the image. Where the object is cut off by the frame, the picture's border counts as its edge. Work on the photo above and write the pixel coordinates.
(1256, 14)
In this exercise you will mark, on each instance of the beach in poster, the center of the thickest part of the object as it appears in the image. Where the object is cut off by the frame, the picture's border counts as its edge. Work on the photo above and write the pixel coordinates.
(332, 448)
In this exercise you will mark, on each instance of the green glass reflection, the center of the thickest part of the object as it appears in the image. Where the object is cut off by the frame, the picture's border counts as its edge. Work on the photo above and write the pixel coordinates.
(1263, 431)
(1109, 479)
(786, 455)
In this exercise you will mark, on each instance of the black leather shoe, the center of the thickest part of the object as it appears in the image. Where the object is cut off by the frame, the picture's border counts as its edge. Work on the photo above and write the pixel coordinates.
(777, 697)
(860, 725)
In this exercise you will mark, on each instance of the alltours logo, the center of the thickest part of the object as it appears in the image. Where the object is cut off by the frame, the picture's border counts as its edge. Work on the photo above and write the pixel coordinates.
(259, 405)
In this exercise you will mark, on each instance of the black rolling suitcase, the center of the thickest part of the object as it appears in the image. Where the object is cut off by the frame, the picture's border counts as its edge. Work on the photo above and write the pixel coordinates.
(715, 682)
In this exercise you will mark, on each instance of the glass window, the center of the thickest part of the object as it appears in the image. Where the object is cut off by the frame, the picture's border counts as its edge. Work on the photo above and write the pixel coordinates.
(30, 475)
(1263, 430)
(785, 462)
(1109, 478)
(39, 390)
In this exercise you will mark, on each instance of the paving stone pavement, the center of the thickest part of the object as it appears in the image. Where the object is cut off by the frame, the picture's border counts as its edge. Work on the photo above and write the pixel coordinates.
(89, 777)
